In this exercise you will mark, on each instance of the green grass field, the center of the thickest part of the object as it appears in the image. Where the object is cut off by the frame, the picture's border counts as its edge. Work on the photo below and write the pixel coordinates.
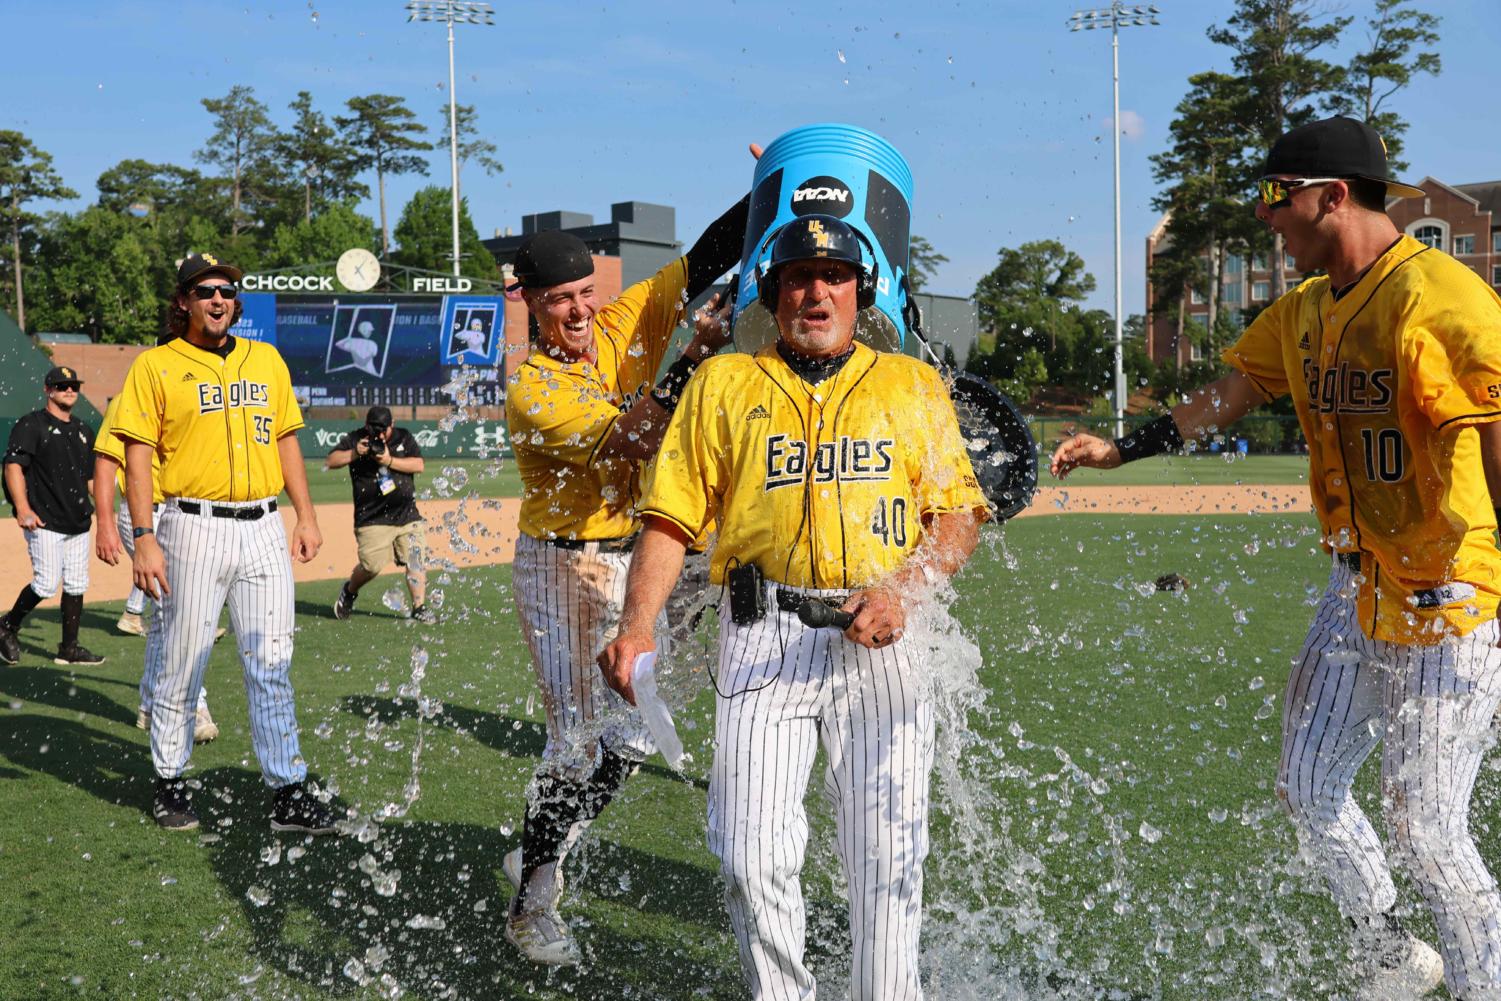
(1104, 820)
(488, 478)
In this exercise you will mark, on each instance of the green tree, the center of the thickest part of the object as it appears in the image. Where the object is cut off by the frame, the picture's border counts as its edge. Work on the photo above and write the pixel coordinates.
(1034, 330)
(322, 238)
(382, 131)
(320, 158)
(922, 262)
(424, 236)
(96, 274)
(26, 176)
(1276, 45)
(1385, 66)
(472, 145)
(1210, 165)
(243, 145)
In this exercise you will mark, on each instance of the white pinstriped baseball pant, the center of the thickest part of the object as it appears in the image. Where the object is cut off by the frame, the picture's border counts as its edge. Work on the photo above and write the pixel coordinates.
(153, 660)
(799, 686)
(211, 560)
(569, 602)
(1431, 708)
(57, 559)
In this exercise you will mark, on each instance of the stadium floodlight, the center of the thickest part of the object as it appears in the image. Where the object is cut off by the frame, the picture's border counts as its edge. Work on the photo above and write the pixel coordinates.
(452, 12)
(1115, 17)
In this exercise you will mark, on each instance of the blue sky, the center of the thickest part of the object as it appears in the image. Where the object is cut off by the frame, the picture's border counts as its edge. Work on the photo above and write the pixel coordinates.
(1001, 111)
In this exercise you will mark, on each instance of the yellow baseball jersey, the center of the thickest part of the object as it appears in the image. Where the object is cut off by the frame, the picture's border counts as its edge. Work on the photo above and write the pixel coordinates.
(213, 421)
(108, 443)
(820, 486)
(1389, 381)
(560, 414)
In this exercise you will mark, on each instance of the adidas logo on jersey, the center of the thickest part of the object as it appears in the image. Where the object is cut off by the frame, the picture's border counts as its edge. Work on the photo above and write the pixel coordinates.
(189, 377)
(1303, 342)
(758, 413)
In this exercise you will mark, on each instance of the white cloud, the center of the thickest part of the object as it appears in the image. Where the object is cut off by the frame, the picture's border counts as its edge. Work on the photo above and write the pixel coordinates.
(1133, 126)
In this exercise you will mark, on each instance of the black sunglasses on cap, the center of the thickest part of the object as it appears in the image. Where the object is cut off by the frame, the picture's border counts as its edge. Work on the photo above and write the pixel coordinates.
(206, 292)
(66, 387)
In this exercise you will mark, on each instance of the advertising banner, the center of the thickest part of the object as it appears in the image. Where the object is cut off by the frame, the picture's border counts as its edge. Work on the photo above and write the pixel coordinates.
(466, 440)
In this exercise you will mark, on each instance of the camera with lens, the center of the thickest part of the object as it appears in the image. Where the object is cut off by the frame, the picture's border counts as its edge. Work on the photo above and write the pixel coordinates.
(375, 444)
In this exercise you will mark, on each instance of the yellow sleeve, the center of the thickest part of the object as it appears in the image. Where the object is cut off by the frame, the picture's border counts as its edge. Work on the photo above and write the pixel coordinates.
(1258, 353)
(142, 403)
(638, 325)
(1453, 354)
(570, 423)
(945, 480)
(686, 482)
(288, 413)
(105, 442)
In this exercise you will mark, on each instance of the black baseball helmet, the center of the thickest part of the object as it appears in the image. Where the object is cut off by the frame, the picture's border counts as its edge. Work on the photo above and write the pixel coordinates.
(824, 237)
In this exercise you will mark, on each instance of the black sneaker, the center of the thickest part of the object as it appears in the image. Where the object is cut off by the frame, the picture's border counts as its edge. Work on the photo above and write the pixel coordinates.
(172, 806)
(76, 654)
(294, 808)
(424, 615)
(10, 647)
(344, 604)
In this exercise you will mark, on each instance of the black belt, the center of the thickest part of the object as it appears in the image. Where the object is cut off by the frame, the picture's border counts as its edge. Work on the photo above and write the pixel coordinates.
(237, 513)
(1350, 561)
(621, 545)
(791, 601)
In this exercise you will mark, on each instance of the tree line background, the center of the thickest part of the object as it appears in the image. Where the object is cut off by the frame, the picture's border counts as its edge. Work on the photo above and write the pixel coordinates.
(273, 193)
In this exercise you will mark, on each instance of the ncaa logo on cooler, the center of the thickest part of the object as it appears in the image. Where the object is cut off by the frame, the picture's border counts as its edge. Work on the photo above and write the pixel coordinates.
(823, 195)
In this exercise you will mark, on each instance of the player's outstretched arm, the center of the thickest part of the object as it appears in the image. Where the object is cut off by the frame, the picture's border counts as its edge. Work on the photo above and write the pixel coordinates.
(637, 434)
(149, 565)
(656, 565)
(107, 545)
(881, 611)
(306, 538)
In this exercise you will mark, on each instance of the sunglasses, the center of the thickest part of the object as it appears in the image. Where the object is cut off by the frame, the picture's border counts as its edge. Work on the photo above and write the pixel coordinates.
(66, 387)
(206, 292)
(1275, 193)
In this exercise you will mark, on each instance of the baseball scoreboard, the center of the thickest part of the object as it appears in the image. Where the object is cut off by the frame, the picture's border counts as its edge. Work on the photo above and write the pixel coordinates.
(393, 350)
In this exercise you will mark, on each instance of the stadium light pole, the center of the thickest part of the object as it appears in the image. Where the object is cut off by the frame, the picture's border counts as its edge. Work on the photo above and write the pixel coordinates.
(449, 12)
(1116, 17)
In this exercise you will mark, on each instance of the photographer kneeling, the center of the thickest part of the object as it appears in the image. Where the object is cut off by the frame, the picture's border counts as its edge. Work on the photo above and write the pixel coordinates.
(382, 461)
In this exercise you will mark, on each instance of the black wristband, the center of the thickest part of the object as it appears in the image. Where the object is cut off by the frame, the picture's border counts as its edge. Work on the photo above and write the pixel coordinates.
(670, 388)
(1160, 436)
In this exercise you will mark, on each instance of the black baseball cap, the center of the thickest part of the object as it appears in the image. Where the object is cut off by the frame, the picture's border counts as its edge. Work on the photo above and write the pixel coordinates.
(195, 266)
(1335, 147)
(378, 417)
(61, 374)
(550, 258)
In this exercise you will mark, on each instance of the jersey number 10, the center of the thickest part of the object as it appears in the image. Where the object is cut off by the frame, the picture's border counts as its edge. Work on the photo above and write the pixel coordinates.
(1383, 454)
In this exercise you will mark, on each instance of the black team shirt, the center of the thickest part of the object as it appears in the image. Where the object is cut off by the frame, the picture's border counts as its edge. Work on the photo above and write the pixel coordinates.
(57, 458)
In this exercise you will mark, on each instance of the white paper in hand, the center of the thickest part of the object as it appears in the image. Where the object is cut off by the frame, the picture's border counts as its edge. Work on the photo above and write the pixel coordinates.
(654, 711)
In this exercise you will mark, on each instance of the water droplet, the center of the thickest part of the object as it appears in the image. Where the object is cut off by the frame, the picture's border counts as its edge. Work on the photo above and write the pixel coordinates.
(258, 895)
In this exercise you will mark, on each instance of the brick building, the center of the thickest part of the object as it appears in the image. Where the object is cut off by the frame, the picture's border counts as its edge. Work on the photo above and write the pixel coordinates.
(1462, 219)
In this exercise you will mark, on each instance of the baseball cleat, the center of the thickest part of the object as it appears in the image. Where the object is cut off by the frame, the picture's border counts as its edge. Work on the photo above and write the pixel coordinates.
(172, 806)
(541, 936)
(1412, 970)
(424, 615)
(10, 647)
(294, 808)
(344, 603)
(219, 633)
(76, 654)
(130, 623)
(204, 727)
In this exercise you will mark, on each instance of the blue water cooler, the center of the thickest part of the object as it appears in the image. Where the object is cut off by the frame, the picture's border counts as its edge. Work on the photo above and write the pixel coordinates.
(838, 170)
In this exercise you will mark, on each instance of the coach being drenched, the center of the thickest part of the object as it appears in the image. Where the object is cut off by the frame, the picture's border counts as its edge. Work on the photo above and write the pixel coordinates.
(837, 475)
(382, 459)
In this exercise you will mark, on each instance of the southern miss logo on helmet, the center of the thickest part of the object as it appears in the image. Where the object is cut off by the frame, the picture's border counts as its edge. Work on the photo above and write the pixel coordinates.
(821, 238)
